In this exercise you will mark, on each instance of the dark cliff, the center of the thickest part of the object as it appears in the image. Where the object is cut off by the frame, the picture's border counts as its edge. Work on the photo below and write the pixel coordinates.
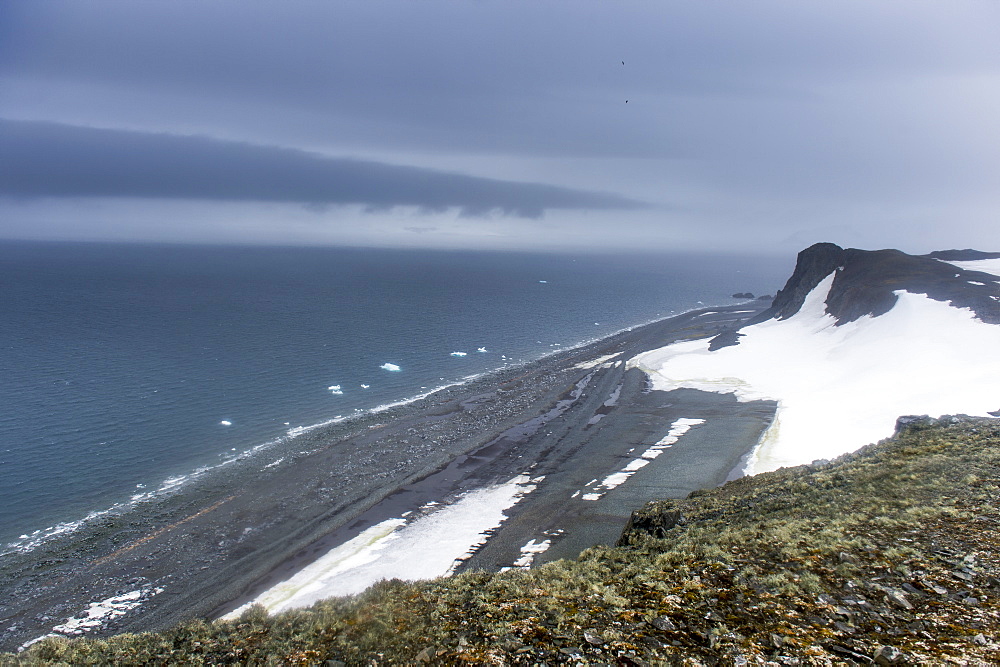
(866, 282)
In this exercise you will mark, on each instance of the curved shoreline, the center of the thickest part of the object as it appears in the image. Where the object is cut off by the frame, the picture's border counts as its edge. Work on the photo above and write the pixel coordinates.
(217, 542)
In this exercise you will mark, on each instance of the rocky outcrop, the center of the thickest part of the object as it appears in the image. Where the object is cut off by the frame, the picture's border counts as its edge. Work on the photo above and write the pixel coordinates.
(866, 282)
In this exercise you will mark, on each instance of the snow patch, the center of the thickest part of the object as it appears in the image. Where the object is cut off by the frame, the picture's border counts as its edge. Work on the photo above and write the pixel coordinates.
(530, 550)
(429, 546)
(97, 614)
(614, 480)
(595, 362)
(984, 265)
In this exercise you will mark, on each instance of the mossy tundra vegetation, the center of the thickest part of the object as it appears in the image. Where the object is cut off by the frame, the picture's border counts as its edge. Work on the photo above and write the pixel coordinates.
(887, 555)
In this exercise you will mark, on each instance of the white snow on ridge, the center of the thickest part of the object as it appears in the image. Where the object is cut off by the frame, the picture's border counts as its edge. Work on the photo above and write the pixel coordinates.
(840, 388)
(984, 265)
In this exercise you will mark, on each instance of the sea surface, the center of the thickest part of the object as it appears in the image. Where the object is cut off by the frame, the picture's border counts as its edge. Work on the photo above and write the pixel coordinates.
(124, 369)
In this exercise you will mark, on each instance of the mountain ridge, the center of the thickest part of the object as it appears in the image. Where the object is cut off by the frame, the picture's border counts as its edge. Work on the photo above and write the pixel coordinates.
(866, 282)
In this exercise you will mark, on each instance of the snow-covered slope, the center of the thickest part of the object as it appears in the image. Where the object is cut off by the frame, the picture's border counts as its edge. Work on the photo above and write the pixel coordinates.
(840, 383)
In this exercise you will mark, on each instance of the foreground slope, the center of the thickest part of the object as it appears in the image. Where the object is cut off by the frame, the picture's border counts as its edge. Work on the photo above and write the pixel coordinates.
(890, 552)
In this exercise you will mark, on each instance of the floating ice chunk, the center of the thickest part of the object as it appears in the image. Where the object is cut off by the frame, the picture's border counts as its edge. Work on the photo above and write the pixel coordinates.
(592, 496)
(226, 422)
(458, 354)
(389, 367)
(335, 389)
(481, 349)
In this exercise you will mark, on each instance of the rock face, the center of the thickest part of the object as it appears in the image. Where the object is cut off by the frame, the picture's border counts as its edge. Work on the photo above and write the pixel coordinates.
(866, 279)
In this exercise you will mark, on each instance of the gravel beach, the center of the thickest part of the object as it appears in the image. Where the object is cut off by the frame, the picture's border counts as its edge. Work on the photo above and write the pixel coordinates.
(234, 533)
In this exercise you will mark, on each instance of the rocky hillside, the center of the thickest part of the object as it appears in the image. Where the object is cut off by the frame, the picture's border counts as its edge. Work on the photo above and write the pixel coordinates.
(886, 555)
(867, 279)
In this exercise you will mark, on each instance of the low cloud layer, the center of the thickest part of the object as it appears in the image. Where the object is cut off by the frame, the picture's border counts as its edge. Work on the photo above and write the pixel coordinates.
(55, 160)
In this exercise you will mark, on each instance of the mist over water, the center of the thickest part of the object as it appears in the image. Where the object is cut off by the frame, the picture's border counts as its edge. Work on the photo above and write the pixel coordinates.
(123, 368)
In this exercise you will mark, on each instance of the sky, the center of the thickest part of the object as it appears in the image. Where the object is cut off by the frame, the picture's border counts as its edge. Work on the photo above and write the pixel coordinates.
(760, 126)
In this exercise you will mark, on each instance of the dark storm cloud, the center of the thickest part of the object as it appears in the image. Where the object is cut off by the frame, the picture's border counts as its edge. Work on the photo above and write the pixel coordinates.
(54, 160)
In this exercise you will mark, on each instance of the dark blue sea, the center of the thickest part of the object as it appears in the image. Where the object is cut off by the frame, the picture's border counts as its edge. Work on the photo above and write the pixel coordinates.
(126, 368)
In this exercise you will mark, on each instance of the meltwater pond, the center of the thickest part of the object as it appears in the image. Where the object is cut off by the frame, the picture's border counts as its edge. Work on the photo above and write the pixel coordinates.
(126, 368)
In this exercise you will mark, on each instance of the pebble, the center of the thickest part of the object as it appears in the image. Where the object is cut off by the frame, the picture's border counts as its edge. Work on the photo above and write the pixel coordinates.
(663, 623)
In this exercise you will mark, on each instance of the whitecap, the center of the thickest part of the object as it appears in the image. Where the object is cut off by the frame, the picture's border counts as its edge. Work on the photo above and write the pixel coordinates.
(389, 367)
(458, 354)
(226, 422)
(365, 386)
(335, 389)
(481, 349)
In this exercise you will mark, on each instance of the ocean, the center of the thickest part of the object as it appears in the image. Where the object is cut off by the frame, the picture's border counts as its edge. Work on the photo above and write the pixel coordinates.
(126, 369)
